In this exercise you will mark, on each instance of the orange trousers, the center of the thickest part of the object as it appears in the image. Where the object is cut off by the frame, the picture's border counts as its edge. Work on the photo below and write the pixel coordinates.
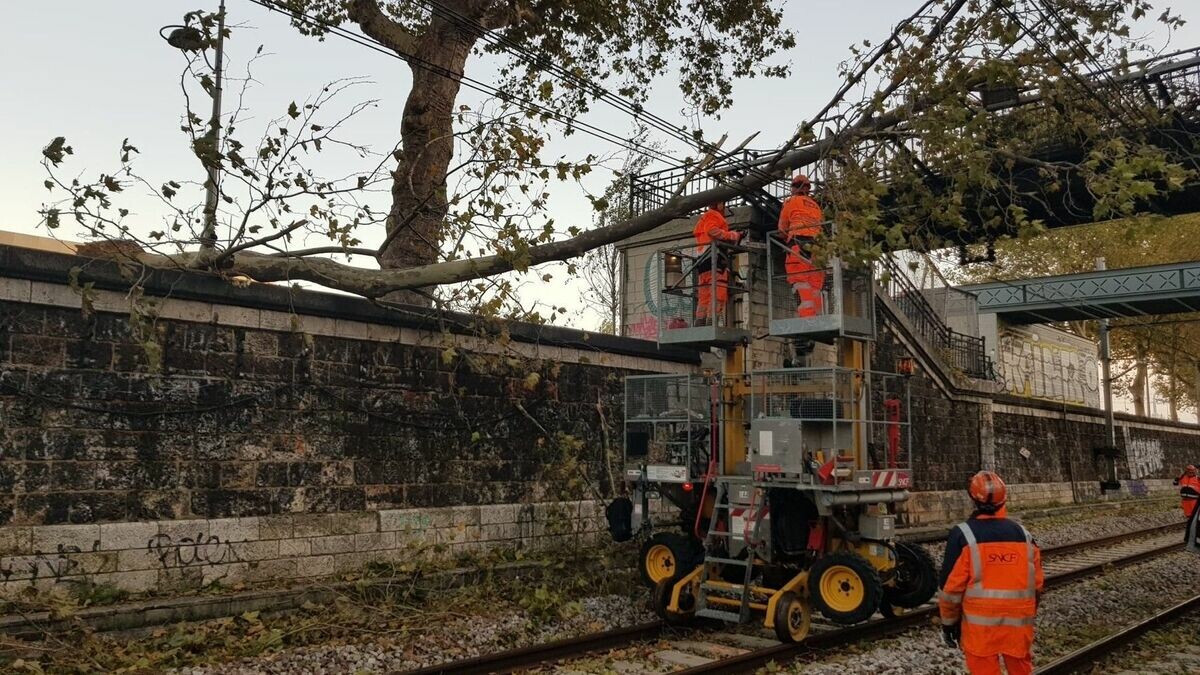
(990, 665)
(807, 281)
(704, 293)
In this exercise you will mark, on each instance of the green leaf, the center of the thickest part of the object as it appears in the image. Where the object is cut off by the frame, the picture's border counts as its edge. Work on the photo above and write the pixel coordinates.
(293, 111)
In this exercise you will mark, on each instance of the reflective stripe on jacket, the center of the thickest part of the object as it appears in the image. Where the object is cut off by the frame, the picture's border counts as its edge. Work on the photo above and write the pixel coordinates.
(990, 580)
(800, 217)
(1189, 488)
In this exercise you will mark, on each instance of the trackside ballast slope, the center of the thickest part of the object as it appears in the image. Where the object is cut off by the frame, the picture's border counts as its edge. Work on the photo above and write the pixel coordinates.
(785, 480)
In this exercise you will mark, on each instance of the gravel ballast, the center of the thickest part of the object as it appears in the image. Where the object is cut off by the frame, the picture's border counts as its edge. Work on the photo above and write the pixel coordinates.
(915, 651)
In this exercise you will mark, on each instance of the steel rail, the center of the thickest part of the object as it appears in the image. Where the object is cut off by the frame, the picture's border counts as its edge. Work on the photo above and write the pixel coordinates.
(1086, 656)
(530, 656)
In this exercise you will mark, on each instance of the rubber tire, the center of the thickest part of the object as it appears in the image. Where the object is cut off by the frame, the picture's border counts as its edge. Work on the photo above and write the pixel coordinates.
(868, 577)
(920, 577)
(660, 597)
(686, 552)
(782, 610)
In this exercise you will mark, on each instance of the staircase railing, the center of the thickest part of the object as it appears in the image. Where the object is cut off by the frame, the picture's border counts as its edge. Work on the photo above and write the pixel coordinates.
(965, 353)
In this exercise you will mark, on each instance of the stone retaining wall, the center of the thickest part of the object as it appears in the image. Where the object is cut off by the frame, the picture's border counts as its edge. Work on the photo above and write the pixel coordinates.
(193, 553)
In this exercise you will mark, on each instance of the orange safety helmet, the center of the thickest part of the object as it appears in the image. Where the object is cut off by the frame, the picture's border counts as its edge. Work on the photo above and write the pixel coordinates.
(988, 491)
(801, 181)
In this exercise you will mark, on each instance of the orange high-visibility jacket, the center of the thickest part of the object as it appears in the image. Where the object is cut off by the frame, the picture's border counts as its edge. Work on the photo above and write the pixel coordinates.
(990, 580)
(800, 217)
(712, 225)
(1189, 491)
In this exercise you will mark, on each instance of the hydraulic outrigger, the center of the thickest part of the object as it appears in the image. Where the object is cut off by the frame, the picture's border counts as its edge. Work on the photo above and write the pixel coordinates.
(785, 479)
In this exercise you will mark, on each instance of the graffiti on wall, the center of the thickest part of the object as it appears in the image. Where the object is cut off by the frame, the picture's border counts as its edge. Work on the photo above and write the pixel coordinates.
(1048, 364)
(1145, 456)
(645, 317)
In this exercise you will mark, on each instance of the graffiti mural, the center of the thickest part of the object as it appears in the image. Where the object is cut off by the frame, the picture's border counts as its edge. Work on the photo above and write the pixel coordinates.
(1048, 364)
(645, 311)
(1145, 456)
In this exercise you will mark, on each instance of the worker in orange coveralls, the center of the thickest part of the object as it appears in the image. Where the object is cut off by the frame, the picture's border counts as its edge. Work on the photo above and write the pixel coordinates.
(1189, 490)
(712, 226)
(991, 579)
(800, 223)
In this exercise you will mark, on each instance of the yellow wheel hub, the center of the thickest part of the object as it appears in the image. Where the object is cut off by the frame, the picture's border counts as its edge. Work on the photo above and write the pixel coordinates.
(799, 618)
(660, 563)
(842, 589)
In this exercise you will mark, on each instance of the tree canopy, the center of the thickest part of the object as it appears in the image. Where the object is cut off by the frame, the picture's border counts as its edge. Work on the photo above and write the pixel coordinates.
(912, 151)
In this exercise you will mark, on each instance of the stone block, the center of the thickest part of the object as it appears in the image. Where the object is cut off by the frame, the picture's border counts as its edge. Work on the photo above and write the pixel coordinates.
(235, 529)
(225, 574)
(229, 315)
(353, 330)
(499, 532)
(271, 570)
(147, 558)
(318, 325)
(341, 543)
(458, 534)
(383, 333)
(54, 294)
(285, 322)
(179, 529)
(57, 538)
(354, 523)
(294, 548)
(249, 551)
(405, 520)
(15, 541)
(186, 310)
(140, 581)
(120, 536)
(275, 527)
(492, 514)
(18, 290)
(315, 566)
(311, 525)
(374, 541)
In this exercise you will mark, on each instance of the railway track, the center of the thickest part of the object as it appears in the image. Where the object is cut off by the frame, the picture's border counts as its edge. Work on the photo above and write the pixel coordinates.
(738, 653)
(1185, 661)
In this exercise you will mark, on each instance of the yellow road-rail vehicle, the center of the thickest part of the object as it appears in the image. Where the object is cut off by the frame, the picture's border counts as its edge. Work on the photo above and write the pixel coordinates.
(763, 494)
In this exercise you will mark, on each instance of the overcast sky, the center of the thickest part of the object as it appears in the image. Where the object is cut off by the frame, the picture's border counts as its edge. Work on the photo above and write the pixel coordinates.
(98, 72)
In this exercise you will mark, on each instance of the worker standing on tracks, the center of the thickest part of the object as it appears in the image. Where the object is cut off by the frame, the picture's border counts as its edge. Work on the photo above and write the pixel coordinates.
(1189, 490)
(712, 226)
(990, 582)
(799, 224)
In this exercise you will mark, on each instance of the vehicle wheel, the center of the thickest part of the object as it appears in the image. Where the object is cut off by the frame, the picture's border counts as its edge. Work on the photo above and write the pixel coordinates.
(661, 598)
(667, 556)
(915, 578)
(844, 587)
(889, 610)
(792, 618)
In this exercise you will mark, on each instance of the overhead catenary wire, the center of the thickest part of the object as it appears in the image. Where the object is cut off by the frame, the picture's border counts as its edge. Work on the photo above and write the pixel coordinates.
(476, 85)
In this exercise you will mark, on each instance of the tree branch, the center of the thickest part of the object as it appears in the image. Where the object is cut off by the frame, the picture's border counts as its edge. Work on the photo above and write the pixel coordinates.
(375, 24)
(374, 283)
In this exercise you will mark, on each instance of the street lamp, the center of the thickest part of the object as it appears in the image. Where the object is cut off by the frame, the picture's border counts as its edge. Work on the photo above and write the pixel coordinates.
(188, 38)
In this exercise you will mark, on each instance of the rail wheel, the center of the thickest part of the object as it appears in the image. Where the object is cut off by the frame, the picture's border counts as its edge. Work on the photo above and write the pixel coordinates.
(914, 581)
(844, 587)
(667, 557)
(661, 599)
(793, 618)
